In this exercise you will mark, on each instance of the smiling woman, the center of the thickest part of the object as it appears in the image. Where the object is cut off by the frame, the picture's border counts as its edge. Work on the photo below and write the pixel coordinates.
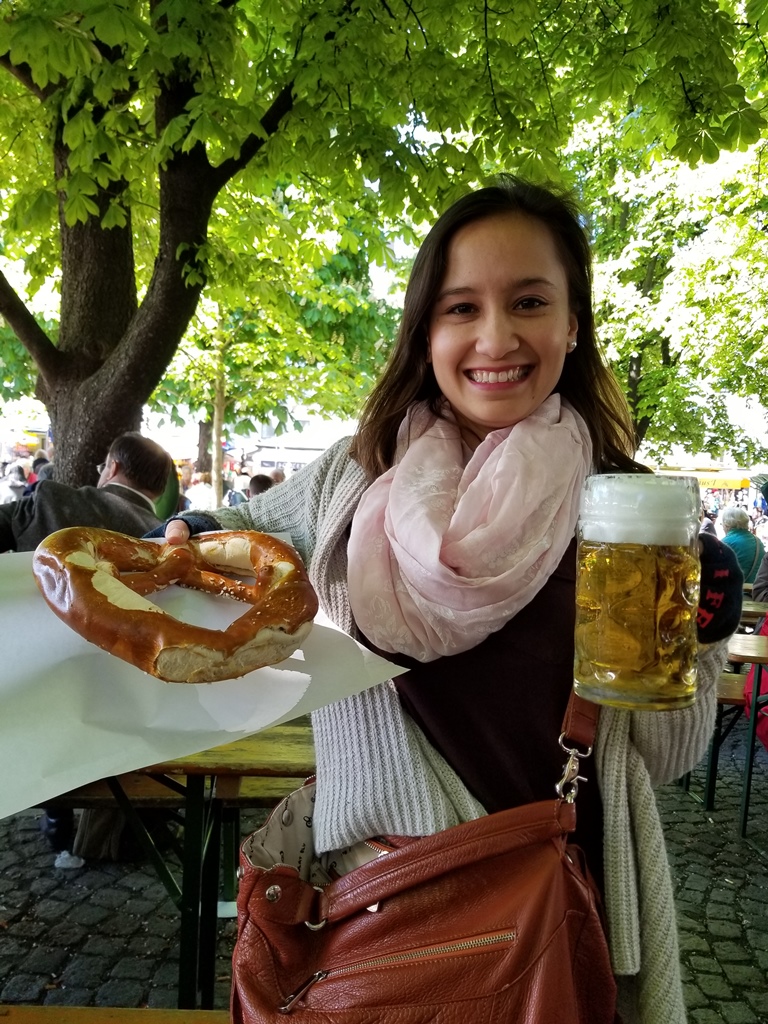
(444, 535)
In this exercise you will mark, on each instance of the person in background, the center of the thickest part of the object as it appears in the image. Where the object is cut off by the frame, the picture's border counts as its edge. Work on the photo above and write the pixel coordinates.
(707, 523)
(37, 464)
(201, 494)
(132, 476)
(747, 548)
(443, 534)
(258, 484)
(278, 476)
(760, 585)
(42, 469)
(234, 497)
(12, 485)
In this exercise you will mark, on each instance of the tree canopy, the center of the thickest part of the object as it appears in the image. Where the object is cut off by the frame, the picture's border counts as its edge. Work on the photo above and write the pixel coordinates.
(153, 151)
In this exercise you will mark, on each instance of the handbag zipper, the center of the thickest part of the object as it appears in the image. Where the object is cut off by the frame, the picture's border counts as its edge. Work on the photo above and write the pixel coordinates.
(462, 946)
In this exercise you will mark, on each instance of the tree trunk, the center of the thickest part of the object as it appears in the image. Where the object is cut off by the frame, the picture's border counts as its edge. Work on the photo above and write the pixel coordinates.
(219, 407)
(204, 433)
(111, 352)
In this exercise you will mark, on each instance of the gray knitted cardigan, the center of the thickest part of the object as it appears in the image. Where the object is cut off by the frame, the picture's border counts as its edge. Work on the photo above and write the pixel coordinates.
(376, 772)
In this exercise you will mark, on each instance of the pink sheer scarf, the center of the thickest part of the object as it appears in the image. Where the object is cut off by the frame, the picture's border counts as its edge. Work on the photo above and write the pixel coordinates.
(446, 548)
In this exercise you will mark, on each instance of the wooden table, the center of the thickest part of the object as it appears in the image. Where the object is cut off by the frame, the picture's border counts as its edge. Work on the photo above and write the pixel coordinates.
(208, 786)
(750, 649)
(752, 611)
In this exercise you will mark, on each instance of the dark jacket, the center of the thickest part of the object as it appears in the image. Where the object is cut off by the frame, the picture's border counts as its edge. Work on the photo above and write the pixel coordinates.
(54, 506)
(760, 586)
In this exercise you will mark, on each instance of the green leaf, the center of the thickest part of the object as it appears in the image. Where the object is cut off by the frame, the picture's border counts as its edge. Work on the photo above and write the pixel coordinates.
(79, 207)
(757, 11)
(115, 217)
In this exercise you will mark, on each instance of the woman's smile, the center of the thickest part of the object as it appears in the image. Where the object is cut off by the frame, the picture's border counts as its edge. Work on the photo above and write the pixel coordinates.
(498, 376)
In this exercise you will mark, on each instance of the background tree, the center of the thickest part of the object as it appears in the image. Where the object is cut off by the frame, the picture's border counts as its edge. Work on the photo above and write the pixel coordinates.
(315, 338)
(127, 124)
(680, 283)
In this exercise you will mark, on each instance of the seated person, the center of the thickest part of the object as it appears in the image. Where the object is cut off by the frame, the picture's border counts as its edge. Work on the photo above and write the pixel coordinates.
(745, 545)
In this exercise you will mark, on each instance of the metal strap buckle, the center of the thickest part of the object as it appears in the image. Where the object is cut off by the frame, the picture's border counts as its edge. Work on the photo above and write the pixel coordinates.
(320, 924)
(568, 786)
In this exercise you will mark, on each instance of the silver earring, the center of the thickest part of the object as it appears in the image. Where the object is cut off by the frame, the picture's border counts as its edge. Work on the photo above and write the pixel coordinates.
(571, 345)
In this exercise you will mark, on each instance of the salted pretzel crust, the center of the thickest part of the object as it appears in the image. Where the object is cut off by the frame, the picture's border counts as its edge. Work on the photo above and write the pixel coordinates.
(98, 582)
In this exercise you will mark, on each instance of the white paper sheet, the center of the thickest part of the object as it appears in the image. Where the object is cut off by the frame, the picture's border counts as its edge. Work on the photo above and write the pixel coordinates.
(70, 713)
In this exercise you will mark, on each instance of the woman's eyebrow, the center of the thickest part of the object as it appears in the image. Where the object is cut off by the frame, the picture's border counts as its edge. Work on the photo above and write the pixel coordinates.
(523, 282)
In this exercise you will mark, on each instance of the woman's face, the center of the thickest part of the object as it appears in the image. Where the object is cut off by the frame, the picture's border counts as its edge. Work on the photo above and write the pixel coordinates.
(501, 322)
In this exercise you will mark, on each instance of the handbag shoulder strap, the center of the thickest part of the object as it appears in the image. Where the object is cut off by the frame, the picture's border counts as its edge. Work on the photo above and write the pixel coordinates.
(579, 728)
(580, 721)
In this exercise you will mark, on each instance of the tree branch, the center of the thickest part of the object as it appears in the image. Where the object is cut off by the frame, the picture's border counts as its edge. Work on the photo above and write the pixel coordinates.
(488, 67)
(411, 11)
(281, 105)
(544, 75)
(688, 98)
(23, 73)
(27, 330)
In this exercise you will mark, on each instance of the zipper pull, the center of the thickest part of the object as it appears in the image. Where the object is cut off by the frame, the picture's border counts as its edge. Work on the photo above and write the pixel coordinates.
(288, 1003)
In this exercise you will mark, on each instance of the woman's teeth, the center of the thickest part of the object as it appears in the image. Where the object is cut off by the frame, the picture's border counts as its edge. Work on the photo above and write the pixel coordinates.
(491, 377)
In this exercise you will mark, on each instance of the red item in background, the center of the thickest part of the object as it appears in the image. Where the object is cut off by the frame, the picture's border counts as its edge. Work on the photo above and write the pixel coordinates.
(762, 725)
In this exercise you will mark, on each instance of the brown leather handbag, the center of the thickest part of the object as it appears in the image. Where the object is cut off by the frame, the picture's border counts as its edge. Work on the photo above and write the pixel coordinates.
(495, 920)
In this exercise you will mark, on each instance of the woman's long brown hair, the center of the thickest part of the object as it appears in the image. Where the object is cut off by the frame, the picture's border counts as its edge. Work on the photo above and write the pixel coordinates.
(586, 381)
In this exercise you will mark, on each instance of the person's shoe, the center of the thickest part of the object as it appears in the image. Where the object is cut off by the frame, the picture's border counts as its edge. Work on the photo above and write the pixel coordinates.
(68, 861)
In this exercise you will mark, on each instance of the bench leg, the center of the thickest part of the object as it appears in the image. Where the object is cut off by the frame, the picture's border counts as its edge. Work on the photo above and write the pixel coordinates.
(189, 937)
(209, 901)
(713, 759)
(230, 849)
(749, 755)
(145, 840)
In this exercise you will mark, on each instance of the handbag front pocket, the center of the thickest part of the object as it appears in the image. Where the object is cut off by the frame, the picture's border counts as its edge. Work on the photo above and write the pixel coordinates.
(418, 957)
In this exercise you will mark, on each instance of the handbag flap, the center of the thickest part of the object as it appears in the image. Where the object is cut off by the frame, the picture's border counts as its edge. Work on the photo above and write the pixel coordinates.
(432, 856)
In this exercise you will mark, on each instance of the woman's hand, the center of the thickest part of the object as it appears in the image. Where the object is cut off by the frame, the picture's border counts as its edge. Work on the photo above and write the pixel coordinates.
(177, 532)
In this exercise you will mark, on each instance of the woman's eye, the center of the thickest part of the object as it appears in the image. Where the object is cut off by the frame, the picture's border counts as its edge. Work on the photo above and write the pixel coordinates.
(461, 308)
(530, 302)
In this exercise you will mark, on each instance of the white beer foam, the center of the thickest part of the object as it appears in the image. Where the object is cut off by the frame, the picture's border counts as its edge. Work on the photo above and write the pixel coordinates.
(640, 508)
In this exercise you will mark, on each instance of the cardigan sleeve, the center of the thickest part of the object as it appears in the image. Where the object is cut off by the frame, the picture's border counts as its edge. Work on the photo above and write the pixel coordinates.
(673, 742)
(292, 506)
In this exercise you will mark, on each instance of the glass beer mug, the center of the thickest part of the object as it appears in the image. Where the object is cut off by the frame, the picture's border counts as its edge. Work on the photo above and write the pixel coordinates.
(637, 591)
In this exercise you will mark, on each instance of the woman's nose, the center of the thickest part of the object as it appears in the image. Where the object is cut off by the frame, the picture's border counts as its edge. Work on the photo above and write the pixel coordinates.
(497, 335)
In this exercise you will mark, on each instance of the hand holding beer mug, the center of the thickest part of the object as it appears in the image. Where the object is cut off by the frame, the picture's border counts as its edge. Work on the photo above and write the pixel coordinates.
(637, 591)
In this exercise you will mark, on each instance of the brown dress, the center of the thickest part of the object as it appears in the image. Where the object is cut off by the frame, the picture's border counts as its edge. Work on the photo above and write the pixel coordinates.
(494, 712)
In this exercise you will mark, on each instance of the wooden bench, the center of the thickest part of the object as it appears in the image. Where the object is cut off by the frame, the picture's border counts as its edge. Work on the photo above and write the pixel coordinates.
(730, 707)
(107, 1015)
(151, 791)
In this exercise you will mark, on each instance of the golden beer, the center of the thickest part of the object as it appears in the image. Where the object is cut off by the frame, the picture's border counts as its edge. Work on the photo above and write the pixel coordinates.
(637, 591)
(636, 624)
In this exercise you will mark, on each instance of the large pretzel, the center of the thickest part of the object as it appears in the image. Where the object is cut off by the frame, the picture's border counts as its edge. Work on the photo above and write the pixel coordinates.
(97, 582)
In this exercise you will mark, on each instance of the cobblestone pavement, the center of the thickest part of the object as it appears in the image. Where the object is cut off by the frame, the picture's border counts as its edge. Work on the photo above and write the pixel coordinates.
(107, 934)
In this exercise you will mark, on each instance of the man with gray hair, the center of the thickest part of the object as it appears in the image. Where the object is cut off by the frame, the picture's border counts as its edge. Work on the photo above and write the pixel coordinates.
(745, 545)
